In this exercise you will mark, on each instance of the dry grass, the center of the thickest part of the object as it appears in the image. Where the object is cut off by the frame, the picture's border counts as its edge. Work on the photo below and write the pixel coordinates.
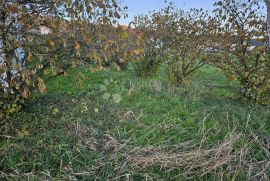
(195, 161)
(224, 160)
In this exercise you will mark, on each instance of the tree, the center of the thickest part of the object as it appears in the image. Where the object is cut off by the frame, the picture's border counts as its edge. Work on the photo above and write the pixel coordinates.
(243, 44)
(70, 25)
(176, 39)
(190, 35)
(154, 42)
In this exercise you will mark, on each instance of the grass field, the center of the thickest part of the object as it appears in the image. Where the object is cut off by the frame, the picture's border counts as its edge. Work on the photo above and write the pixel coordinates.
(116, 126)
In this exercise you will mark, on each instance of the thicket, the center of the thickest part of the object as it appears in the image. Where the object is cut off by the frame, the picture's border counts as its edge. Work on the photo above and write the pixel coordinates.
(190, 37)
(154, 40)
(42, 39)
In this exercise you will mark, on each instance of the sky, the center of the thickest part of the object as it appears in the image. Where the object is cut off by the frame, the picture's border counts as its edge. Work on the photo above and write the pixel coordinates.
(136, 7)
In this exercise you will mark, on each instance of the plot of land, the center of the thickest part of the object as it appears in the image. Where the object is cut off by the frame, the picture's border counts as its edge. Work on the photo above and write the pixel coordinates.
(118, 126)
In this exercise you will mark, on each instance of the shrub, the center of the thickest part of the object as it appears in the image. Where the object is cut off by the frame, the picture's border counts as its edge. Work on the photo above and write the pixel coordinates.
(154, 29)
(176, 38)
(9, 104)
(38, 42)
(190, 36)
(243, 48)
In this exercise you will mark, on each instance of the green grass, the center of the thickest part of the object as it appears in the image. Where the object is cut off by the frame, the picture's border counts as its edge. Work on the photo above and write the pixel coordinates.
(74, 133)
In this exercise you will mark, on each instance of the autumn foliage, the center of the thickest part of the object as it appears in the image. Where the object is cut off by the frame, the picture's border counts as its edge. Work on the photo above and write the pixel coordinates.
(175, 39)
(242, 41)
(189, 38)
(234, 40)
(43, 39)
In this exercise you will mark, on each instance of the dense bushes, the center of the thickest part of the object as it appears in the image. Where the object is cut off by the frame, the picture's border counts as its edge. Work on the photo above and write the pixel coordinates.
(37, 42)
(121, 45)
(155, 28)
(235, 40)
(9, 104)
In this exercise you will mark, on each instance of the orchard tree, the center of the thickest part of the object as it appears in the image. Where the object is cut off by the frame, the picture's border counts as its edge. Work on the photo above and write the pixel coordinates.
(43, 38)
(243, 47)
(154, 27)
(190, 37)
(177, 39)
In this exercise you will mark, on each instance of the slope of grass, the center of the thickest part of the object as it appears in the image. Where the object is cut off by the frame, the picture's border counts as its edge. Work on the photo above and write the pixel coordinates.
(200, 131)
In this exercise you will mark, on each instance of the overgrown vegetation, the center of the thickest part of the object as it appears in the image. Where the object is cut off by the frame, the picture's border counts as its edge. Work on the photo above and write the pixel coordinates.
(156, 131)
(72, 107)
(185, 41)
(45, 38)
(241, 23)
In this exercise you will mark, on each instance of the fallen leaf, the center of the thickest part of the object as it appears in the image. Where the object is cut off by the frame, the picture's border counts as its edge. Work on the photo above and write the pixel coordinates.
(42, 87)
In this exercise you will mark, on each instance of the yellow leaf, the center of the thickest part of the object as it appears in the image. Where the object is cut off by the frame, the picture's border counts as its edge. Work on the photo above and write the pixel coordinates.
(51, 43)
(117, 67)
(18, 66)
(26, 133)
(29, 57)
(117, 98)
(124, 35)
(29, 26)
(16, 43)
(54, 73)
(13, 9)
(232, 78)
(46, 72)
(88, 40)
(110, 42)
(139, 51)
(73, 64)
(42, 87)
(25, 93)
(20, 134)
(77, 46)
(55, 111)
(65, 44)
(23, 133)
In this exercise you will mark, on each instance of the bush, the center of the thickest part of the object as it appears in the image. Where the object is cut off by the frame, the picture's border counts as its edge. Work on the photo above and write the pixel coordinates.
(243, 48)
(39, 43)
(9, 104)
(154, 41)
(189, 35)
(122, 44)
(176, 38)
